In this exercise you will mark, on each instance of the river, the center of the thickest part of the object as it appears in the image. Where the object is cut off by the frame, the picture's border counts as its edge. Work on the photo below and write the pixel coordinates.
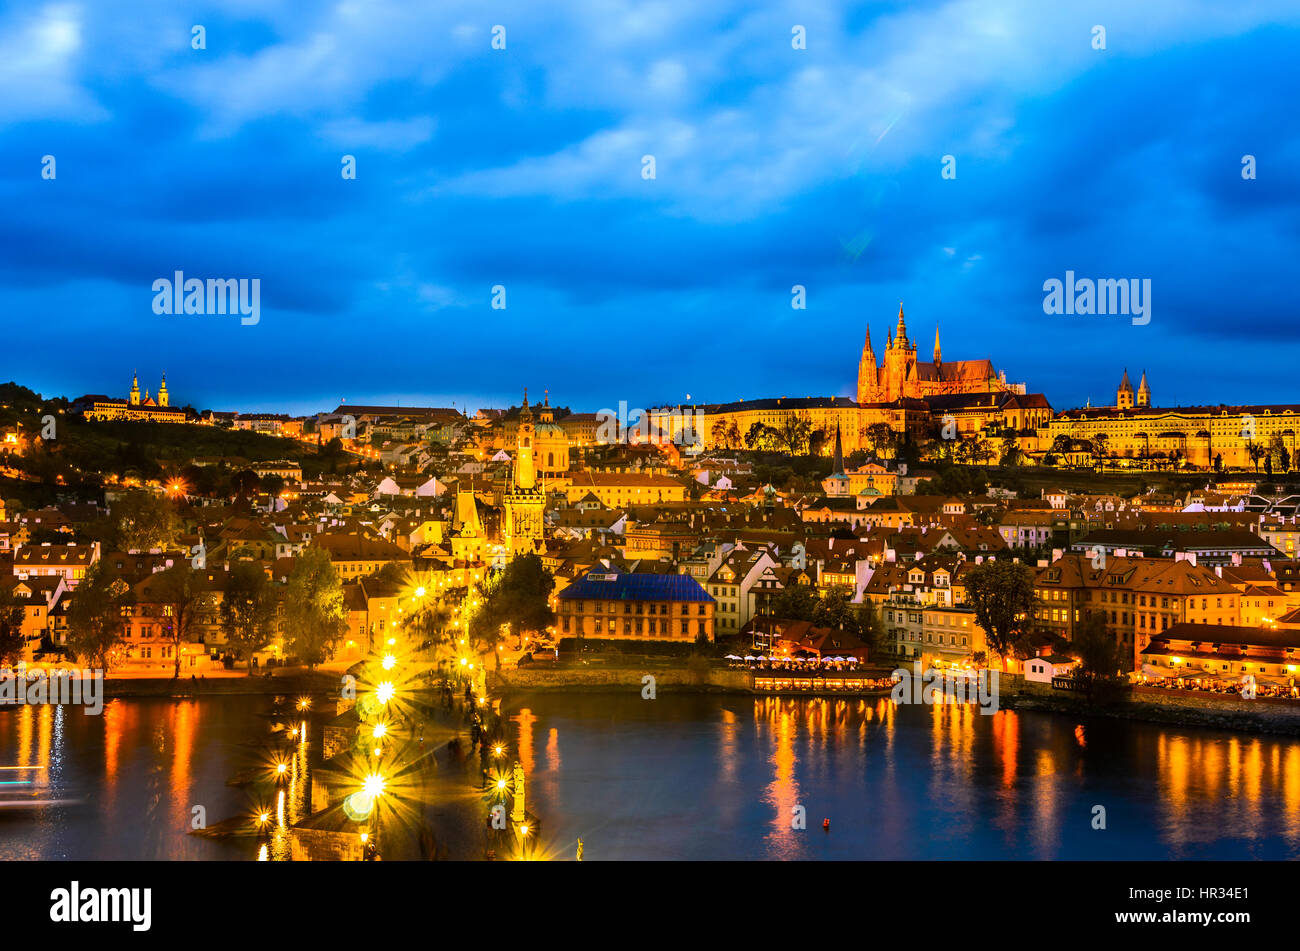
(712, 777)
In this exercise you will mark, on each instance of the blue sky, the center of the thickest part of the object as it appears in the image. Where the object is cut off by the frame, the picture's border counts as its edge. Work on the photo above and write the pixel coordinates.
(522, 167)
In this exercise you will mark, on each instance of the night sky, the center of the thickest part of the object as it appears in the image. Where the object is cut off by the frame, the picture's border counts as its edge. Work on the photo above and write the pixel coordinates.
(523, 167)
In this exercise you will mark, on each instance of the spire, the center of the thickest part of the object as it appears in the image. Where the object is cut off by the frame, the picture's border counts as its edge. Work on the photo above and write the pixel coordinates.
(937, 359)
(1124, 384)
(837, 465)
(867, 372)
(901, 333)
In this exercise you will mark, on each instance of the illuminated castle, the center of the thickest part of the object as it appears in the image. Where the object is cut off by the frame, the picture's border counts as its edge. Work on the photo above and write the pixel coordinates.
(902, 376)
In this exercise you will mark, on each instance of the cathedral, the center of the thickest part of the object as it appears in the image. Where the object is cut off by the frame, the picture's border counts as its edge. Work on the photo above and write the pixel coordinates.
(902, 376)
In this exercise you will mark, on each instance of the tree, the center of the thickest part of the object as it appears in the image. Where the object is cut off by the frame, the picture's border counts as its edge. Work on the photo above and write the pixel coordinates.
(1256, 452)
(519, 597)
(314, 613)
(1011, 452)
(12, 640)
(184, 596)
(1100, 447)
(763, 437)
(144, 521)
(881, 438)
(793, 433)
(1098, 675)
(95, 616)
(248, 610)
(1279, 456)
(1002, 594)
(796, 602)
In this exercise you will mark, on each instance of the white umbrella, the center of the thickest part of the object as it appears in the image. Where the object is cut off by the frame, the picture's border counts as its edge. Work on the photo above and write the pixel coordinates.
(731, 657)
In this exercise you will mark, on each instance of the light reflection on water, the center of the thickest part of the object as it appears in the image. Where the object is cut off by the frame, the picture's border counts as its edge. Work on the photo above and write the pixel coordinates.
(138, 770)
(719, 777)
(704, 777)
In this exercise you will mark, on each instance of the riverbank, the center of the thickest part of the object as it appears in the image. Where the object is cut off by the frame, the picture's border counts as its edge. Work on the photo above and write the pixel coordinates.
(184, 687)
(1179, 708)
(1280, 718)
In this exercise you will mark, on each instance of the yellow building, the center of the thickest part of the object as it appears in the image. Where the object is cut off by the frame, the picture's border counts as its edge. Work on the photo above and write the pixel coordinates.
(621, 489)
(1133, 429)
(104, 408)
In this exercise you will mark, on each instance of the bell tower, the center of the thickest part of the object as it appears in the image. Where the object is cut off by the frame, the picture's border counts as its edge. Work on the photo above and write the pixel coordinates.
(524, 501)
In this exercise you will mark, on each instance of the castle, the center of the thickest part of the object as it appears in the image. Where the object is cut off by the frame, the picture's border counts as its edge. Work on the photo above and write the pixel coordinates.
(902, 376)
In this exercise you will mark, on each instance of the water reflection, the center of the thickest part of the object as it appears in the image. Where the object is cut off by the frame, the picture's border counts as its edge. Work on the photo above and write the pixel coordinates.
(703, 777)
(135, 774)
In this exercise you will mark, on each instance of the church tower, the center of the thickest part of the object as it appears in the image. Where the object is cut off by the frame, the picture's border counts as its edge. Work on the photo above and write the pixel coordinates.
(900, 362)
(1144, 391)
(867, 379)
(938, 361)
(162, 391)
(467, 538)
(524, 501)
(135, 389)
(837, 484)
(1124, 395)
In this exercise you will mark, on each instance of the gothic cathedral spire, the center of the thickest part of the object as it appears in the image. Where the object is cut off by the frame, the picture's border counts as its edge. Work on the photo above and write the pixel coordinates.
(867, 377)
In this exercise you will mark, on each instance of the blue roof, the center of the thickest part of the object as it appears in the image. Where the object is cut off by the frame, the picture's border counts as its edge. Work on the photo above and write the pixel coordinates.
(635, 587)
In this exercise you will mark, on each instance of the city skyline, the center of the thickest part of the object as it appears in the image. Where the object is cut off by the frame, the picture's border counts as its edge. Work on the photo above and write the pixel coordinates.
(523, 167)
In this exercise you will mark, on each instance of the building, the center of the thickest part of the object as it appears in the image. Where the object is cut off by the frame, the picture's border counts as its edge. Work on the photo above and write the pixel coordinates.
(355, 556)
(901, 376)
(1223, 652)
(896, 394)
(106, 408)
(618, 490)
(1136, 430)
(623, 606)
(70, 561)
(524, 501)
